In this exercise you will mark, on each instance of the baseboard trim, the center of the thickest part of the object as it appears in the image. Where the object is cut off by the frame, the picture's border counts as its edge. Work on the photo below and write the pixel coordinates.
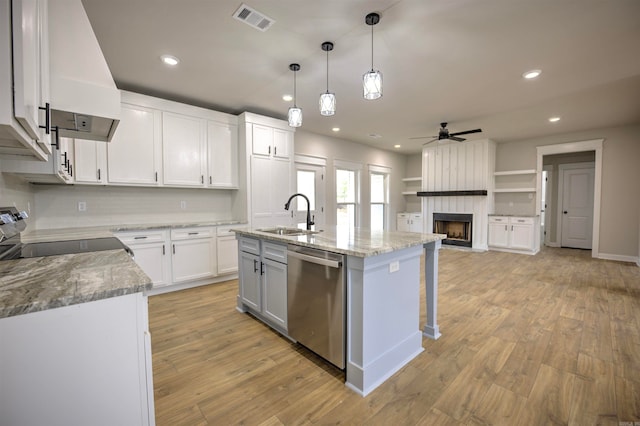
(619, 257)
(552, 244)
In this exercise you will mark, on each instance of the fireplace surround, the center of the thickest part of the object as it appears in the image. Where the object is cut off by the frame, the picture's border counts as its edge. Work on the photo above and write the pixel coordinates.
(457, 227)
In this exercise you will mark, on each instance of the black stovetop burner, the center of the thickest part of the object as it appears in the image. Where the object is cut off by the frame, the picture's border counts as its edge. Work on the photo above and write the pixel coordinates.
(55, 248)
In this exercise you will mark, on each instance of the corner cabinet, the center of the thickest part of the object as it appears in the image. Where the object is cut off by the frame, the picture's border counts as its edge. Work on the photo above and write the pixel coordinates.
(263, 280)
(514, 234)
(267, 151)
(151, 252)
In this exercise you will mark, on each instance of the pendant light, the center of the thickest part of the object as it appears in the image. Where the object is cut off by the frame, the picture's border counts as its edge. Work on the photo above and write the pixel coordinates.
(295, 113)
(327, 100)
(372, 80)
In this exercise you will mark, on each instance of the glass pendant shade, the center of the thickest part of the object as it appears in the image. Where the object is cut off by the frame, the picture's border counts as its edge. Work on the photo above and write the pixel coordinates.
(327, 104)
(295, 117)
(372, 85)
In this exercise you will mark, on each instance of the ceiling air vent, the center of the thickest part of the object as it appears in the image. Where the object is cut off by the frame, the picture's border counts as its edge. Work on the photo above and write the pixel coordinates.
(253, 18)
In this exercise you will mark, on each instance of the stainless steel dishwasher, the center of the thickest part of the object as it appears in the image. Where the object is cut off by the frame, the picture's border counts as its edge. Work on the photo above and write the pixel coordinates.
(316, 295)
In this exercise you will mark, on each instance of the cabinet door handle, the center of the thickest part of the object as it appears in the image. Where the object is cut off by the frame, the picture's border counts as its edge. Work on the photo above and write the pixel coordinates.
(98, 174)
(163, 249)
(269, 149)
(210, 180)
(275, 150)
(140, 238)
(261, 268)
(505, 228)
(193, 233)
(202, 179)
(71, 169)
(156, 176)
(47, 118)
(174, 248)
(255, 266)
(512, 227)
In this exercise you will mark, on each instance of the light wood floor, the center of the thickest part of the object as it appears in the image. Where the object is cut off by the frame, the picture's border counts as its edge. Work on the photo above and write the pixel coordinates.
(526, 340)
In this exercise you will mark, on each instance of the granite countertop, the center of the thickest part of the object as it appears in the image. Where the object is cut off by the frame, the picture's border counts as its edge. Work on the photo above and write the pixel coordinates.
(514, 215)
(357, 242)
(40, 283)
(65, 234)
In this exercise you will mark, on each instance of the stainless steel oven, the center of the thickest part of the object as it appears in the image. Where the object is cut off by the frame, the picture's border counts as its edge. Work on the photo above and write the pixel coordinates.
(316, 296)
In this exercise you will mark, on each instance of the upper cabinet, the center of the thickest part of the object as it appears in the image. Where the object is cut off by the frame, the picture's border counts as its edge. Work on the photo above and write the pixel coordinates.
(272, 142)
(24, 78)
(135, 152)
(183, 147)
(90, 159)
(222, 147)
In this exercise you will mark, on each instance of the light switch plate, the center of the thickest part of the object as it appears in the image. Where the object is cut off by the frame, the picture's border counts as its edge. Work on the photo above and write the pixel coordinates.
(394, 266)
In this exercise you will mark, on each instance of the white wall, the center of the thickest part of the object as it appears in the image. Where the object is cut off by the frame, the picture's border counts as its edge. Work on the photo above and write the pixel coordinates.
(57, 205)
(620, 204)
(307, 143)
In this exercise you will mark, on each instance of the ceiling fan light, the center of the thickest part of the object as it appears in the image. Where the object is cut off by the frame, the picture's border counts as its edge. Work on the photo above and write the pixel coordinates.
(327, 104)
(372, 85)
(295, 117)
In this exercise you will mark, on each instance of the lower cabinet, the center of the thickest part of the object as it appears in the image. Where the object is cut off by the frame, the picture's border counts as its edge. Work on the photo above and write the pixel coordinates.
(227, 250)
(151, 253)
(409, 222)
(263, 280)
(514, 233)
(193, 254)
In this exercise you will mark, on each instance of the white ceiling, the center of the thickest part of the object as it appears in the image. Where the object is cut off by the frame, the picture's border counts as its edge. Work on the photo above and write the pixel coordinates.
(459, 61)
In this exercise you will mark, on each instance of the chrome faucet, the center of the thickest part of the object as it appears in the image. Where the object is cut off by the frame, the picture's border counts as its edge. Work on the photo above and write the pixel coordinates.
(309, 221)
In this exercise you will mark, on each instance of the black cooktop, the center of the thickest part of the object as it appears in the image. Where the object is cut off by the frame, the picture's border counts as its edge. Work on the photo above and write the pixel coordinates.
(55, 248)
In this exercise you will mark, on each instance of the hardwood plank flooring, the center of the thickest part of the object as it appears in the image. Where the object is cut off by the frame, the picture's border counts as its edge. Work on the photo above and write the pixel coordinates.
(526, 340)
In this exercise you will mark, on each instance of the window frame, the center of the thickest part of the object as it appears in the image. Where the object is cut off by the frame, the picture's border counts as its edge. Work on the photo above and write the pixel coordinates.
(386, 173)
(356, 168)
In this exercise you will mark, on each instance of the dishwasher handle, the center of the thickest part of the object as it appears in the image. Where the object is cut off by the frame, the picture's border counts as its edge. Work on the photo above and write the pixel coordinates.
(313, 259)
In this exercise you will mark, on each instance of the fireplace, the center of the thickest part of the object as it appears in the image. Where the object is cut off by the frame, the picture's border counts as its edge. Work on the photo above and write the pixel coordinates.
(457, 226)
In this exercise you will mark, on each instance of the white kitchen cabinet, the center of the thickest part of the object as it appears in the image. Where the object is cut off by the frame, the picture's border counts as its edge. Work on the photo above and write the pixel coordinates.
(514, 234)
(90, 161)
(263, 280)
(59, 168)
(270, 188)
(24, 77)
(222, 149)
(151, 252)
(227, 250)
(83, 364)
(184, 152)
(135, 153)
(409, 222)
(193, 254)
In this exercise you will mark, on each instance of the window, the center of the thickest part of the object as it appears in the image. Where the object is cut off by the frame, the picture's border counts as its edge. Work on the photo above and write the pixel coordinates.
(379, 180)
(347, 187)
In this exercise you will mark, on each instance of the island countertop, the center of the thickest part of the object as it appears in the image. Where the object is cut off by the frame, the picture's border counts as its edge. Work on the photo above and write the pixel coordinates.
(359, 242)
(40, 283)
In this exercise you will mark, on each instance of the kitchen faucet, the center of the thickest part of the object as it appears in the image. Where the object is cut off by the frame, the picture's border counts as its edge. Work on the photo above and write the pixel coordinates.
(309, 221)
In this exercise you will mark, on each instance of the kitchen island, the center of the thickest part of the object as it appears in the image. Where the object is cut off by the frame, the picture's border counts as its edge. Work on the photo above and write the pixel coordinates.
(382, 272)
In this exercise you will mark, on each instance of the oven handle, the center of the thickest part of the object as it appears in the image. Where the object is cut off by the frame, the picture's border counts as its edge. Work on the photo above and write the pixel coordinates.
(314, 259)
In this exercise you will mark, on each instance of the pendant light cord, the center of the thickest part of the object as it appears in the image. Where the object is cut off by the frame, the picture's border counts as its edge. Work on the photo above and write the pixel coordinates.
(294, 89)
(371, 47)
(327, 71)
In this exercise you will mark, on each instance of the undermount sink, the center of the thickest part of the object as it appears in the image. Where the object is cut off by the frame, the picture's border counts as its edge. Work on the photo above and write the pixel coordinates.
(288, 231)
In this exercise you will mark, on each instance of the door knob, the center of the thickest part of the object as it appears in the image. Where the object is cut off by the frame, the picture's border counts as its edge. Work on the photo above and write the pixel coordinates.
(565, 212)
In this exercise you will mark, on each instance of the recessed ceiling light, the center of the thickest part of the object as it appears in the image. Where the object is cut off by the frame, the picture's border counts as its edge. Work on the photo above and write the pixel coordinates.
(531, 74)
(554, 119)
(397, 146)
(336, 129)
(169, 60)
(374, 135)
(287, 98)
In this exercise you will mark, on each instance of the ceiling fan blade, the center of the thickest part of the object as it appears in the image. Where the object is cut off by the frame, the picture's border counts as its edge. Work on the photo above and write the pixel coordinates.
(466, 132)
(432, 140)
(423, 137)
(457, 139)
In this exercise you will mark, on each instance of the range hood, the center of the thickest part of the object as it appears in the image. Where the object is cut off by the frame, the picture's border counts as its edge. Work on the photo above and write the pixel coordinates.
(85, 102)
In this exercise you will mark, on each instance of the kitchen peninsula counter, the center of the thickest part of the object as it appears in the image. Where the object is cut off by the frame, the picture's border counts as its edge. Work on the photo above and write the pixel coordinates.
(382, 293)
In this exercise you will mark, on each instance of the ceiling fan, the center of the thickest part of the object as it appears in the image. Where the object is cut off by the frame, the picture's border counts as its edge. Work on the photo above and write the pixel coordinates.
(444, 134)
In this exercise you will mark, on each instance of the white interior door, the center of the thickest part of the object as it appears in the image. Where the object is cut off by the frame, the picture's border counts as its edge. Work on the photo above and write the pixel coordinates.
(547, 207)
(310, 182)
(577, 204)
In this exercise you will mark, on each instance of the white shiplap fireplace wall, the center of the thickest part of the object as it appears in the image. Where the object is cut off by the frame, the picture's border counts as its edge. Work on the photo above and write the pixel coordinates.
(459, 166)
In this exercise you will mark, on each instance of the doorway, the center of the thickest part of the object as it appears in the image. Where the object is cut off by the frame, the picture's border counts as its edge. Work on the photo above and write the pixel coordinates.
(594, 146)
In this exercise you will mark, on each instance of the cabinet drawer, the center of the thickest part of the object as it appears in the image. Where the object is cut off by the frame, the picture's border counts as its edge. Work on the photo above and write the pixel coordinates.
(249, 245)
(192, 233)
(141, 237)
(522, 220)
(498, 219)
(277, 252)
(224, 231)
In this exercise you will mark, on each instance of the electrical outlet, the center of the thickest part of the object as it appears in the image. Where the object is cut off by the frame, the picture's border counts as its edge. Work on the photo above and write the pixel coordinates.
(183, 205)
(82, 206)
(394, 266)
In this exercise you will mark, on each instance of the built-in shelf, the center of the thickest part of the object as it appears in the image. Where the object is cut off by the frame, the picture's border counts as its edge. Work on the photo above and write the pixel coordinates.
(409, 192)
(462, 193)
(412, 185)
(412, 179)
(514, 190)
(515, 172)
